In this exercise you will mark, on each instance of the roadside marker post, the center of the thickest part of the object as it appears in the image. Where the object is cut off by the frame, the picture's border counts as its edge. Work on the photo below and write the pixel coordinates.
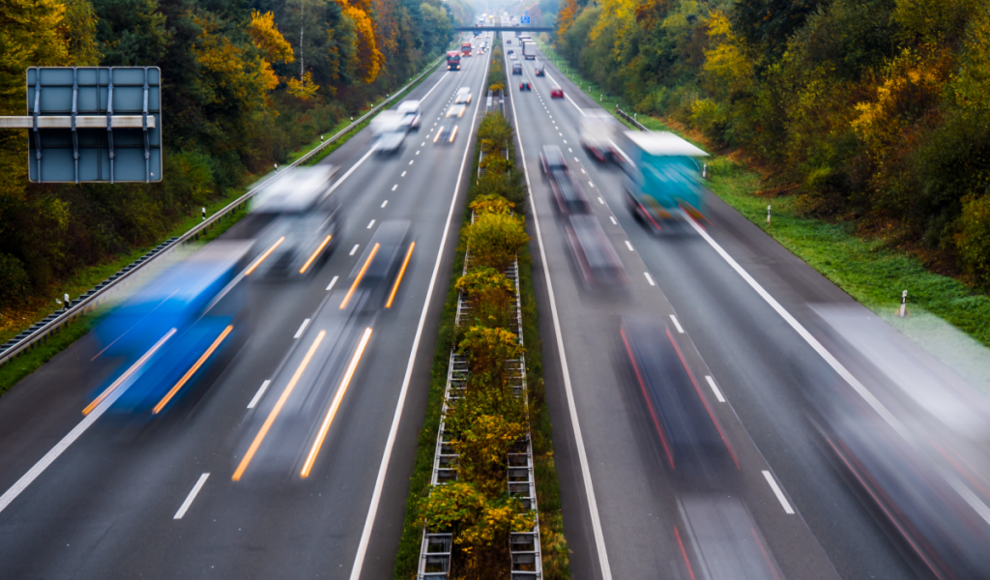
(768, 214)
(903, 311)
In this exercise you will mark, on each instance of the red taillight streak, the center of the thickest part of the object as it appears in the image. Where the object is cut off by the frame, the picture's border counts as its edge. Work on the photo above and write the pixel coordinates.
(646, 396)
(703, 400)
(684, 555)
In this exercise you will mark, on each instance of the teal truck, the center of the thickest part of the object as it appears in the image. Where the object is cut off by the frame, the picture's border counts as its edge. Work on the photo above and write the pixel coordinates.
(662, 178)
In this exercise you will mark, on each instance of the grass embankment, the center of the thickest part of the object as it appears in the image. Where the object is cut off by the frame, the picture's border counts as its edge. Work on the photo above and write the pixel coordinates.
(27, 363)
(867, 269)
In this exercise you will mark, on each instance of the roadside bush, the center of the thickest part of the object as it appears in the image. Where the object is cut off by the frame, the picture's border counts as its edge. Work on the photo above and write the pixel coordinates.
(493, 240)
(490, 295)
(973, 239)
(14, 280)
(507, 185)
(491, 204)
(488, 350)
(483, 449)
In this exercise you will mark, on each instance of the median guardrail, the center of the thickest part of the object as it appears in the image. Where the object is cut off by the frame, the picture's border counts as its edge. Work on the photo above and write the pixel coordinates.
(103, 291)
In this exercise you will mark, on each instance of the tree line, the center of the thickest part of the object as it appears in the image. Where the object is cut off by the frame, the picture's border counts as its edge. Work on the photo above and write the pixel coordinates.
(875, 112)
(245, 83)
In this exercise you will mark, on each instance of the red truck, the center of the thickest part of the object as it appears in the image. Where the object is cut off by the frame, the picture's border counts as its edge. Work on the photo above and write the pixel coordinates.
(465, 49)
(453, 60)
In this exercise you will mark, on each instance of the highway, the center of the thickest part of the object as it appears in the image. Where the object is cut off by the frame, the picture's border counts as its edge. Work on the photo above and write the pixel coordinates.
(749, 360)
(292, 459)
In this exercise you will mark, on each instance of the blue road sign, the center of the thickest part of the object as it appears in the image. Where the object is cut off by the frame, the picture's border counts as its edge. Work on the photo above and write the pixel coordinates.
(94, 124)
(525, 19)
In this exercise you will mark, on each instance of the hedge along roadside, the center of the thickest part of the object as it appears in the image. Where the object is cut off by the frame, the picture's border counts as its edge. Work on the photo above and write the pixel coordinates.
(79, 317)
(553, 545)
(870, 271)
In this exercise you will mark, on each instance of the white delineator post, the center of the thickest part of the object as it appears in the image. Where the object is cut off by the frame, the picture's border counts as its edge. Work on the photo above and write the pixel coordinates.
(768, 214)
(903, 311)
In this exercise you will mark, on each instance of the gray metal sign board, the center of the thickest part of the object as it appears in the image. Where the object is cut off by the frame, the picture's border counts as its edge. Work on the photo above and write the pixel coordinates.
(94, 124)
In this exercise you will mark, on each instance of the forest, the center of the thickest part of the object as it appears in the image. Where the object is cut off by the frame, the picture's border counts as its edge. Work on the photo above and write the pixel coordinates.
(871, 112)
(245, 83)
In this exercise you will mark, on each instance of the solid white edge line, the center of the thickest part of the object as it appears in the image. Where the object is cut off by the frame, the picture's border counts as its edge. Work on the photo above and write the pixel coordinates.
(803, 332)
(192, 496)
(680, 329)
(596, 522)
(302, 327)
(715, 389)
(777, 492)
(38, 468)
(258, 395)
(332, 282)
(369, 521)
(649, 279)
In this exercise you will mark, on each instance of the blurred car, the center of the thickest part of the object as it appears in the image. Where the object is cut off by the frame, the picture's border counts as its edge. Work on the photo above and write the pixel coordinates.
(594, 255)
(690, 435)
(304, 223)
(389, 121)
(411, 112)
(567, 193)
(539, 68)
(463, 96)
(598, 129)
(552, 158)
(557, 93)
(525, 87)
(456, 110)
(508, 41)
(390, 142)
(445, 134)
(512, 56)
(722, 541)
(510, 51)
(517, 68)
(375, 274)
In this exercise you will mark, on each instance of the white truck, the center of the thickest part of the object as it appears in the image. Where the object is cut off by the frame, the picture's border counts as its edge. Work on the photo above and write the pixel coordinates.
(528, 49)
(598, 133)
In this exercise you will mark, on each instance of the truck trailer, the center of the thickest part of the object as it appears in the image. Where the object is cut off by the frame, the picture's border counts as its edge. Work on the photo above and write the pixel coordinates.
(662, 178)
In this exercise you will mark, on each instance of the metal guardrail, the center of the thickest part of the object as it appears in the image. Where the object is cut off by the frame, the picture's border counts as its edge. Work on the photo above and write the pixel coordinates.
(630, 118)
(102, 292)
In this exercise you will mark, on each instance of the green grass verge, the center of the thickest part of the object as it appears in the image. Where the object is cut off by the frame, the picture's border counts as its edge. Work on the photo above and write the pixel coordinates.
(867, 269)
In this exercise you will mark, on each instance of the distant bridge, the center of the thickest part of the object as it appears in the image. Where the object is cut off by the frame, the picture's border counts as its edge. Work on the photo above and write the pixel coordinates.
(504, 28)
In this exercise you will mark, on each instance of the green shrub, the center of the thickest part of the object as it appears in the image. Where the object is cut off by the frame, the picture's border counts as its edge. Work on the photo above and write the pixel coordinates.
(973, 239)
(493, 239)
(14, 280)
(489, 203)
(490, 295)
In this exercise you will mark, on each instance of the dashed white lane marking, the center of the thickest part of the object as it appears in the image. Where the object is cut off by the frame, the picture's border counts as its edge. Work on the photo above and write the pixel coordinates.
(370, 224)
(332, 282)
(649, 279)
(612, 217)
(417, 152)
(715, 389)
(394, 187)
(354, 249)
(192, 496)
(384, 203)
(569, 150)
(583, 171)
(422, 144)
(411, 161)
(600, 200)
(565, 141)
(302, 327)
(591, 183)
(777, 492)
(259, 394)
(578, 160)
(561, 134)
(628, 245)
(403, 174)
(677, 324)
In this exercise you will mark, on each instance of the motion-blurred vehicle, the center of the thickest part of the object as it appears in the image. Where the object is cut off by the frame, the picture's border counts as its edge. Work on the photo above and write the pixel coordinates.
(390, 142)
(552, 159)
(454, 60)
(662, 177)
(304, 223)
(525, 87)
(411, 113)
(516, 68)
(510, 51)
(508, 41)
(463, 96)
(915, 445)
(445, 134)
(465, 49)
(597, 131)
(528, 50)
(375, 276)
(539, 69)
(690, 435)
(721, 540)
(557, 93)
(594, 255)
(513, 57)
(388, 121)
(173, 329)
(456, 110)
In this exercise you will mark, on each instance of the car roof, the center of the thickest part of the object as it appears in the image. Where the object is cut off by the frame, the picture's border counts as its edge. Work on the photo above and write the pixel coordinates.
(554, 156)
(463, 90)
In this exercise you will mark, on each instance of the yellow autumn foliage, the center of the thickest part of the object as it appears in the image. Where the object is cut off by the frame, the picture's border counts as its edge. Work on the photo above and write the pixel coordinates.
(266, 36)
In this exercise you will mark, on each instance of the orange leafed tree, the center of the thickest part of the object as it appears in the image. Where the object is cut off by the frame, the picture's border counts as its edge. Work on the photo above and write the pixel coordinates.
(267, 37)
(370, 57)
(565, 16)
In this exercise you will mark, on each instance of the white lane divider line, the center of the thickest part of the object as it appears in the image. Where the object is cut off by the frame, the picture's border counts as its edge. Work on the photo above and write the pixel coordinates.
(302, 327)
(583, 171)
(565, 141)
(677, 323)
(417, 152)
(192, 496)
(569, 150)
(403, 174)
(628, 245)
(591, 183)
(332, 282)
(384, 203)
(777, 492)
(370, 224)
(649, 279)
(394, 187)
(411, 161)
(261, 392)
(715, 389)
(354, 249)
(600, 200)
(612, 217)
(422, 144)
